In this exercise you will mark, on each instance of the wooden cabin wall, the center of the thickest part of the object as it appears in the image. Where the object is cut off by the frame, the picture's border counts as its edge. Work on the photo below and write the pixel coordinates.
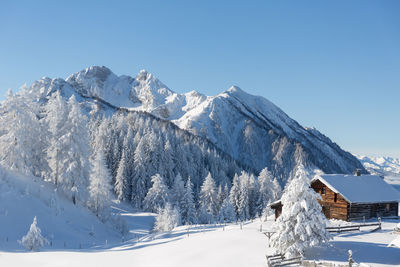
(358, 211)
(278, 210)
(331, 209)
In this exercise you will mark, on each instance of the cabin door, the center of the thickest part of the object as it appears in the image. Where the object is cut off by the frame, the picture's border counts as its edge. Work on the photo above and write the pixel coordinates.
(327, 211)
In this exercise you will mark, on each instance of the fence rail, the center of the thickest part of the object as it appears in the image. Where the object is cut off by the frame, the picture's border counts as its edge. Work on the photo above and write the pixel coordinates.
(279, 260)
(354, 227)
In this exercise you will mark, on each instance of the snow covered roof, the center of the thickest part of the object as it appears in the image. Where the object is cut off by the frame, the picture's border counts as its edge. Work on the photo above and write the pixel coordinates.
(275, 203)
(360, 189)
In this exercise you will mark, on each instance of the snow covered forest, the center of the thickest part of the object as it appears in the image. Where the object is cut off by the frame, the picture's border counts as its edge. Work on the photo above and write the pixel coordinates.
(94, 157)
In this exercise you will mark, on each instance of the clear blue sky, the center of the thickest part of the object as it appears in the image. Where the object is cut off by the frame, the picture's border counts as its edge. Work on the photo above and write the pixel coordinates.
(334, 65)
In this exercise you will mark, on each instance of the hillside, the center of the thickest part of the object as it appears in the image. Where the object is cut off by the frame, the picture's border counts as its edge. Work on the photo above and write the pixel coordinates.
(65, 225)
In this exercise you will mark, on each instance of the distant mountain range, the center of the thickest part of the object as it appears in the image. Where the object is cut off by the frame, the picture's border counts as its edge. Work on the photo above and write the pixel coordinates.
(386, 166)
(251, 129)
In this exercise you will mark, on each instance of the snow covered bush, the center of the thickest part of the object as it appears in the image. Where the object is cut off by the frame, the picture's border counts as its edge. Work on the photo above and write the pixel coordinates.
(301, 224)
(167, 219)
(33, 240)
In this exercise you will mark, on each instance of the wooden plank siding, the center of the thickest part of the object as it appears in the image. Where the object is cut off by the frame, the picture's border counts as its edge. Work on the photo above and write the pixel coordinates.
(372, 210)
(278, 209)
(332, 206)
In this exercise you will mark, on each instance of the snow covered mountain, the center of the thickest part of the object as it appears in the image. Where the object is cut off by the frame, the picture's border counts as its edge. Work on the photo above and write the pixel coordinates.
(386, 166)
(250, 128)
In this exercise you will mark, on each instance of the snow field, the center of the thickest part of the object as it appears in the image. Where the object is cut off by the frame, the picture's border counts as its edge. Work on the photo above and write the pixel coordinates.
(204, 246)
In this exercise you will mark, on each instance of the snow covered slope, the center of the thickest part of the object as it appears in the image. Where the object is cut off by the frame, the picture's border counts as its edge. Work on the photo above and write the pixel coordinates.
(230, 246)
(64, 224)
(386, 166)
(250, 128)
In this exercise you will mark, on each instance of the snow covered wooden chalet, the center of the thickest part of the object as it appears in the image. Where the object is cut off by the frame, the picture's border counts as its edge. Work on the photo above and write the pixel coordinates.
(353, 197)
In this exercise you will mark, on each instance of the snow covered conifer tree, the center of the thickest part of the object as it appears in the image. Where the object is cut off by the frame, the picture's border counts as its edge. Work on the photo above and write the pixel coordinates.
(20, 147)
(76, 165)
(167, 219)
(277, 192)
(33, 240)
(227, 211)
(267, 211)
(100, 187)
(220, 198)
(121, 180)
(139, 178)
(56, 115)
(157, 197)
(177, 193)
(268, 189)
(234, 194)
(253, 189)
(301, 224)
(69, 150)
(243, 208)
(188, 209)
(167, 161)
(208, 195)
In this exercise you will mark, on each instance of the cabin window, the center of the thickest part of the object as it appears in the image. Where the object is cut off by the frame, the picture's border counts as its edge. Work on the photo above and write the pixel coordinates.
(335, 198)
(323, 191)
(387, 207)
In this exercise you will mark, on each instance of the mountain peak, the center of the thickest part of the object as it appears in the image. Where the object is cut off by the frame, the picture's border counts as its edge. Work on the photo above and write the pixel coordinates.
(100, 73)
(235, 88)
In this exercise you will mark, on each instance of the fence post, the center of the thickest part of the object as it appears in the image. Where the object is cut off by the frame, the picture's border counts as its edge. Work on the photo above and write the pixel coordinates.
(380, 222)
(339, 229)
(351, 261)
(363, 219)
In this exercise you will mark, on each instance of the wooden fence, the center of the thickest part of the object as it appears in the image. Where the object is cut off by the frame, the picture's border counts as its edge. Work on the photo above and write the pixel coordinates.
(354, 227)
(280, 260)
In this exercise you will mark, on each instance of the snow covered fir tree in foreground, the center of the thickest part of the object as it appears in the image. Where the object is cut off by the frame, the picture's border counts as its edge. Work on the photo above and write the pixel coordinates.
(125, 165)
(302, 224)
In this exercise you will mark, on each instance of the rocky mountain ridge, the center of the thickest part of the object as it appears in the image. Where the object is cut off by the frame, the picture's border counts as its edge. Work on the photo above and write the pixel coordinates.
(250, 128)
